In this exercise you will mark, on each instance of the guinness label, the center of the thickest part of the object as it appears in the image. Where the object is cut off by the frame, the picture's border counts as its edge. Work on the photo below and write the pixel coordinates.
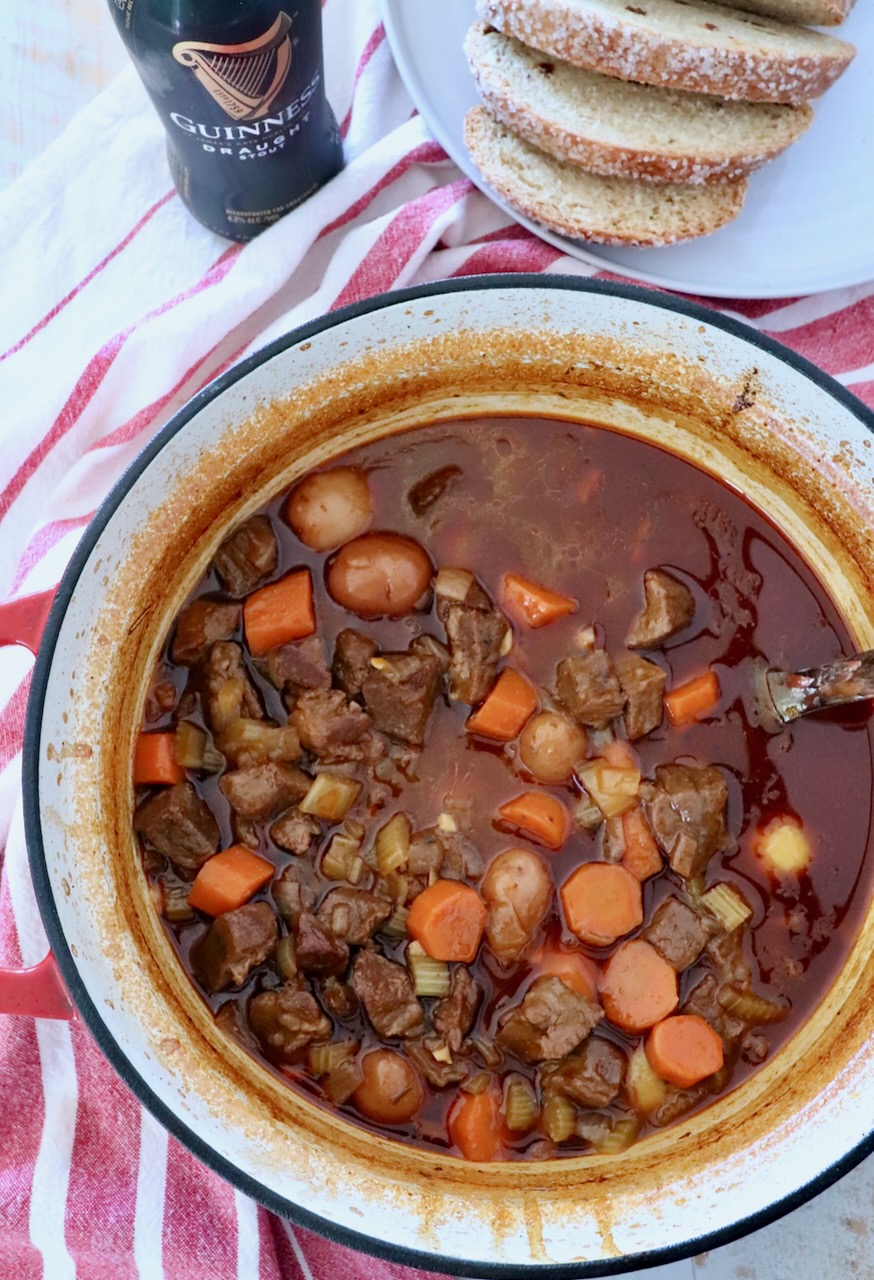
(243, 79)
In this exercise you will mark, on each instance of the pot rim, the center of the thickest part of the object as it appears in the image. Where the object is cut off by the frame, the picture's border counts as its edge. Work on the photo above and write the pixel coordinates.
(31, 799)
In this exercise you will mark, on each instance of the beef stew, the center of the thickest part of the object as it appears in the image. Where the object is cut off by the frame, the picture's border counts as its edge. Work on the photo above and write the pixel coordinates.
(456, 804)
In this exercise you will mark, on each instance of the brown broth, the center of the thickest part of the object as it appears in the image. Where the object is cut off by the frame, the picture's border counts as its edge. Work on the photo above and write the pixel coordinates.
(586, 511)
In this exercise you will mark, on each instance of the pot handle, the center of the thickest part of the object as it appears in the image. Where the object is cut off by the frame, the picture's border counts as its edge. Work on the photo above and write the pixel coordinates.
(37, 992)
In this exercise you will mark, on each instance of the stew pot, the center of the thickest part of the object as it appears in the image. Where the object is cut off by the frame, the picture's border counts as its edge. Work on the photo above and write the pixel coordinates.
(738, 405)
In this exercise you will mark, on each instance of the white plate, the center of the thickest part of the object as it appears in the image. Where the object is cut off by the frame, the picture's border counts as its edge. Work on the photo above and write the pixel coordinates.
(808, 221)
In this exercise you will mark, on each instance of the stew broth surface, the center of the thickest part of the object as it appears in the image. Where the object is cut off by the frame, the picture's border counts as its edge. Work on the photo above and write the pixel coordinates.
(586, 511)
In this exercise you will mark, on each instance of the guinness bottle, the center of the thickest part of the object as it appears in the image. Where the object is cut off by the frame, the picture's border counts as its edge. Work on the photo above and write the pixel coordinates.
(239, 87)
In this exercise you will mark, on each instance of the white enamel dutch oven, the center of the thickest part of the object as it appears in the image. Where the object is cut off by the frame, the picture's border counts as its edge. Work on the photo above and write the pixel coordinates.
(713, 391)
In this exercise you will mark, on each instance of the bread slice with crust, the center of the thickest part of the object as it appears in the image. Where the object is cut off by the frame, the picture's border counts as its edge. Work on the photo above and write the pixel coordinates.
(819, 13)
(679, 44)
(588, 206)
(621, 129)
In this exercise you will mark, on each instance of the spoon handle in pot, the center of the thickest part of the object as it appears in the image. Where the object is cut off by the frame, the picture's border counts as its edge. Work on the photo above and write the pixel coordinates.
(795, 693)
(23, 621)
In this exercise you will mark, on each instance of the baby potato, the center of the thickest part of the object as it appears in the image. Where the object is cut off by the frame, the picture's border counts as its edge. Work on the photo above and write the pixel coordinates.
(380, 575)
(550, 746)
(391, 1090)
(330, 508)
(517, 889)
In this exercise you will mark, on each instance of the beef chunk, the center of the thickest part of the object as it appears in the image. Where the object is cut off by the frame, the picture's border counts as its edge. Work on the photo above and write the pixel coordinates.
(235, 943)
(261, 789)
(201, 624)
(225, 671)
(385, 990)
(686, 810)
(317, 950)
(231, 1020)
(434, 647)
(677, 933)
(301, 664)
(339, 998)
(431, 488)
(295, 831)
(295, 891)
(726, 951)
(436, 1069)
(247, 556)
(549, 1023)
(287, 1020)
(330, 726)
(703, 1000)
(643, 686)
(668, 609)
(399, 691)
(353, 915)
(447, 853)
(352, 655)
(454, 1015)
(179, 825)
(476, 632)
(592, 1077)
(588, 688)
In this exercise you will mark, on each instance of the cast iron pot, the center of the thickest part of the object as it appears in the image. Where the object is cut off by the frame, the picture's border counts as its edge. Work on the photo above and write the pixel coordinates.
(733, 402)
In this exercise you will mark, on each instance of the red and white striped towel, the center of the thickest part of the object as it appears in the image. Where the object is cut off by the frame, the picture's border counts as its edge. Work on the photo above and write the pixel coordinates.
(115, 307)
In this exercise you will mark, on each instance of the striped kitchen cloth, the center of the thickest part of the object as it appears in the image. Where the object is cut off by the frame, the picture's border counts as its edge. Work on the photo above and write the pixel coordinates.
(115, 308)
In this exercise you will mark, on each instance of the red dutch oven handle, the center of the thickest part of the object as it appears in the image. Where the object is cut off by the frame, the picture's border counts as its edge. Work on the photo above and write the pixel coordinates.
(37, 992)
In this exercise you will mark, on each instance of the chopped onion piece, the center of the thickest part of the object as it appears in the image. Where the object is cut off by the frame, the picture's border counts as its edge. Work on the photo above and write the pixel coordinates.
(587, 814)
(331, 796)
(258, 741)
(341, 1083)
(393, 844)
(453, 584)
(613, 789)
(286, 960)
(189, 744)
(341, 859)
(228, 702)
(728, 905)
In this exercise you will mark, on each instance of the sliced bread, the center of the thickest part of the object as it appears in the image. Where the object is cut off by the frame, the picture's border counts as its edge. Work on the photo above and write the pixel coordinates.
(621, 129)
(587, 206)
(681, 44)
(820, 13)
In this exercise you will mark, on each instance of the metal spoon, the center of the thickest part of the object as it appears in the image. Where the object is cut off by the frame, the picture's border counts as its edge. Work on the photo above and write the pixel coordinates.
(797, 693)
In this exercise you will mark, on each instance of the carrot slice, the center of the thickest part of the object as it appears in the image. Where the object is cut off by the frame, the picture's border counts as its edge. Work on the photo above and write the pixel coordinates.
(537, 606)
(448, 919)
(639, 987)
(540, 815)
(692, 700)
(575, 970)
(511, 702)
(280, 612)
(475, 1125)
(684, 1050)
(619, 754)
(601, 902)
(641, 856)
(154, 761)
(228, 879)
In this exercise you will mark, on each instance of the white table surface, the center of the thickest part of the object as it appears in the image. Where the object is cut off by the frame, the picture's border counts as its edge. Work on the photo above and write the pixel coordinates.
(54, 57)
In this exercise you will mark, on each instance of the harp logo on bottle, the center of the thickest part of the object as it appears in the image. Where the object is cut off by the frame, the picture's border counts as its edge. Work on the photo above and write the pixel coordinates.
(244, 79)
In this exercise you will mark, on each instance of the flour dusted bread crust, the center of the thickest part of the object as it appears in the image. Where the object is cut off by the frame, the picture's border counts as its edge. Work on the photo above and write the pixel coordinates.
(680, 44)
(573, 202)
(620, 129)
(820, 13)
